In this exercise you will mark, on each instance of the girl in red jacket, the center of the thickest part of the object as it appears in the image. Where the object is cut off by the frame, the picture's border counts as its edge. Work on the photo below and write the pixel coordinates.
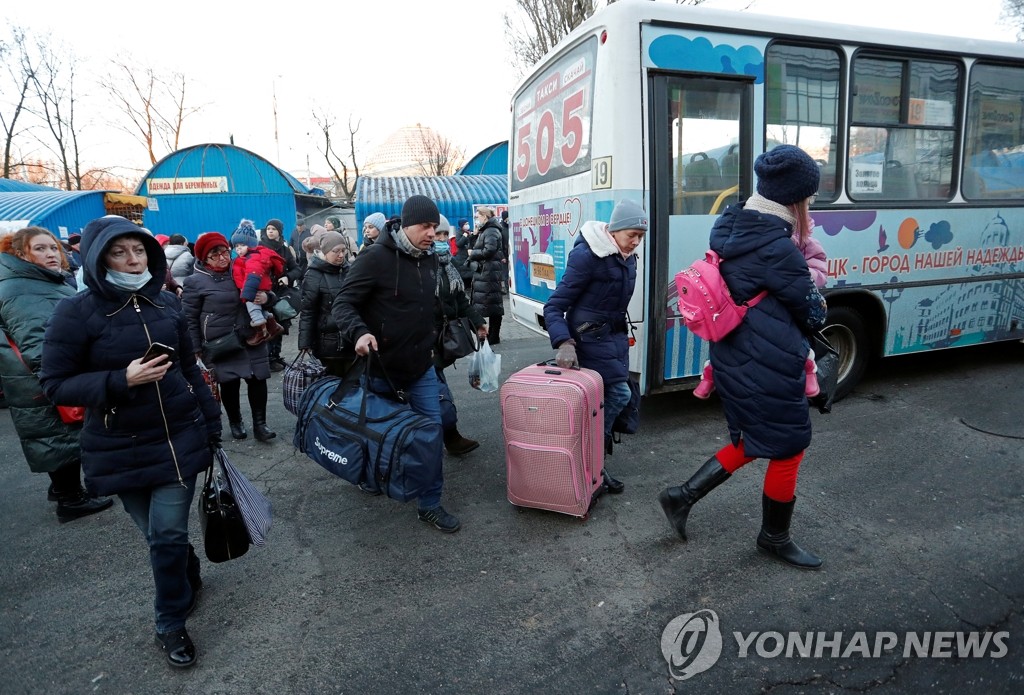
(254, 270)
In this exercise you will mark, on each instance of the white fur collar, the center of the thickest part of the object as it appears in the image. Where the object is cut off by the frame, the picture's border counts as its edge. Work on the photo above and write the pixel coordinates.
(759, 203)
(600, 241)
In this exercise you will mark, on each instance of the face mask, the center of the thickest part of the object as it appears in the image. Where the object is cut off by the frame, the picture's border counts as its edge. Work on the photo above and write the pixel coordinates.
(441, 247)
(128, 281)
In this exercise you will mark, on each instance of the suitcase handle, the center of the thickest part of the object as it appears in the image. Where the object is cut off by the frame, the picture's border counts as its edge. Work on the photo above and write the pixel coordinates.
(553, 363)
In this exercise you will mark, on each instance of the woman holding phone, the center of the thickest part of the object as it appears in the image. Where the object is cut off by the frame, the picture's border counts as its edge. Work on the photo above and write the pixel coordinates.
(149, 424)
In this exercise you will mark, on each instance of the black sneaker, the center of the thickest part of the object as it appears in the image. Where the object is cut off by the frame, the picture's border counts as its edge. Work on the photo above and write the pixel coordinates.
(178, 646)
(76, 505)
(442, 520)
(372, 492)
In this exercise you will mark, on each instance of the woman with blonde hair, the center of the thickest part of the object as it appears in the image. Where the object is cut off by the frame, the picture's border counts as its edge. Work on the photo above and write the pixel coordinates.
(34, 277)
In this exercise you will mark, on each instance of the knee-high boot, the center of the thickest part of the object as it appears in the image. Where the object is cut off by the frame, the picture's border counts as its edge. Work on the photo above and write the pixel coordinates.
(774, 537)
(231, 399)
(257, 392)
(677, 501)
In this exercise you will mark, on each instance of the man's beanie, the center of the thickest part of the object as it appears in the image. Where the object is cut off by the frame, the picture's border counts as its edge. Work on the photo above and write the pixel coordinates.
(328, 241)
(245, 234)
(463, 222)
(627, 215)
(208, 242)
(786, 175)
(276, 224)
(420, 209)
(336, 221)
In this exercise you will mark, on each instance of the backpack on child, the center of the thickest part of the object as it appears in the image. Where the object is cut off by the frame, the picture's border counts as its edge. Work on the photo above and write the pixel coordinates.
(705, 303)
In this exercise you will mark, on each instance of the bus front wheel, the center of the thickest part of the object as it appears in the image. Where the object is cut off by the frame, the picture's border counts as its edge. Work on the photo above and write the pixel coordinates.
(845, 330)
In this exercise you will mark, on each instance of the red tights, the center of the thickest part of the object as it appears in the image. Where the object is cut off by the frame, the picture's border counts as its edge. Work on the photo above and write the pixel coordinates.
(779, 480)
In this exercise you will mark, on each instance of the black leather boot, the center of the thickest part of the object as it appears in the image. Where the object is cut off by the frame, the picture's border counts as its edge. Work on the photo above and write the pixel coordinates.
(613, 486)
(238, 429)
(260, 429)
(456, 444)
(677, 501)
(774, 537)
(76, 504)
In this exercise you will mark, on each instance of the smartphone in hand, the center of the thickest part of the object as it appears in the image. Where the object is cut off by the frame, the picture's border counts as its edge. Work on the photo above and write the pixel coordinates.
(157, 349)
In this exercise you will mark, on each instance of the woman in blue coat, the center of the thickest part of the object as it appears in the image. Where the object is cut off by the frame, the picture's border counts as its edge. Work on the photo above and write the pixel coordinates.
(586, 314)
(759, 367)
(149, 425)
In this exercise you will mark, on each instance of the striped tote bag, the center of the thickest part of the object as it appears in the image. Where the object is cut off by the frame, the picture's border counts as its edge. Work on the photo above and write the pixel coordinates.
(253, 504)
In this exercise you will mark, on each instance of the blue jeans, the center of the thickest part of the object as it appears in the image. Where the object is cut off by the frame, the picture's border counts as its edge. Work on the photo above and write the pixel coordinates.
(161, 513)
(424, 398)
(616, 397)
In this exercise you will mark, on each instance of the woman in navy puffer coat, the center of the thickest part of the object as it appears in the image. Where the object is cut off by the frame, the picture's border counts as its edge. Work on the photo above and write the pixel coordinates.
(586, 315)
(759, 367)
(149, 426)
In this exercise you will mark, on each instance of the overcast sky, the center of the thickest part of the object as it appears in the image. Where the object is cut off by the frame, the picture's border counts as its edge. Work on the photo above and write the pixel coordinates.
(389, 62)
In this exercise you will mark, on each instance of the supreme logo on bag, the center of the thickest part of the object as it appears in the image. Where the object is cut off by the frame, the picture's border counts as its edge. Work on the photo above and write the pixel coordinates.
(705, 303)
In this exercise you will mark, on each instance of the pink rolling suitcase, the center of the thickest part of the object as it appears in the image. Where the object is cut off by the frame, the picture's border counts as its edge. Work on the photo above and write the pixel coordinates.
(553, 422)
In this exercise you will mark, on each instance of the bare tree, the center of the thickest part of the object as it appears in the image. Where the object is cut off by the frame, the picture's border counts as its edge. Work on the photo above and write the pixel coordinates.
(344, 169)
(155, 105)
(1013, 16)
(538, 25)
(14, 91)
(54, 85)
(440, 156)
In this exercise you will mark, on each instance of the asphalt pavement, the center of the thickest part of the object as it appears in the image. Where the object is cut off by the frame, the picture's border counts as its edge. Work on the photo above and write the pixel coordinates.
(911, 491)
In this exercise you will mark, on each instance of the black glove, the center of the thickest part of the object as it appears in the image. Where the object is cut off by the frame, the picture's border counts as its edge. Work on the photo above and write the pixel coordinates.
(213, 440)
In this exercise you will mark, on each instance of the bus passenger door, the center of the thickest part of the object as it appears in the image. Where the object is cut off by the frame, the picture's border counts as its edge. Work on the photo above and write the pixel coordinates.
(701, 154)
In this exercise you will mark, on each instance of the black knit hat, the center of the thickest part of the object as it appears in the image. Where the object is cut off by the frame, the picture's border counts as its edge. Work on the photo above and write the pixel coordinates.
(419, 209)
(786, 175)
(276, 224)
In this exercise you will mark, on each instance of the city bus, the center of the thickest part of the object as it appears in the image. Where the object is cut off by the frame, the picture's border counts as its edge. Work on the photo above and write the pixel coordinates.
(919, 139)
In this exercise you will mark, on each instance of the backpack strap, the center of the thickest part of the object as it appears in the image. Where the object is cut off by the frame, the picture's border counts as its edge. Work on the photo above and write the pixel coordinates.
(755, 299)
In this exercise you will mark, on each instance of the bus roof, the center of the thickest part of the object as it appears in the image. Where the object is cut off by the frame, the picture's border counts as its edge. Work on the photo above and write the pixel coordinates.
(633, 12)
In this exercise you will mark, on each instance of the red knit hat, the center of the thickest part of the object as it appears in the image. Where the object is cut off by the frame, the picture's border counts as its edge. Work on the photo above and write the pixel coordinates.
(207, 242)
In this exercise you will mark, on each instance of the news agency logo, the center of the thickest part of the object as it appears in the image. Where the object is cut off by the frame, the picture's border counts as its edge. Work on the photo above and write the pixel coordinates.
(691, 643)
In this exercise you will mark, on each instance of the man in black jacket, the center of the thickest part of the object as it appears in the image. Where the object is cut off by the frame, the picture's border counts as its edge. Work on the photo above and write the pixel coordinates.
(386, 304)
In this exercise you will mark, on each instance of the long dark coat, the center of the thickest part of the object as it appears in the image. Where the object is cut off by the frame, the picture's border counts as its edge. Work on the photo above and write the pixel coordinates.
(318, 330)
(589, 304)
(144, 436)
(28, 295)
(489, 269)
(759, 367)
(213, 309)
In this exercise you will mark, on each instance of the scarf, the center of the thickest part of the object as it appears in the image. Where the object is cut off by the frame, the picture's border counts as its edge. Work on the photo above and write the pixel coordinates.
(758, 203)
(402, 241)
(128, 281)
(444, 258)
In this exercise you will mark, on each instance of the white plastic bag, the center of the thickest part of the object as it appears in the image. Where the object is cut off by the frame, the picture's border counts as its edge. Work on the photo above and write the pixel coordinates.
(485, 369)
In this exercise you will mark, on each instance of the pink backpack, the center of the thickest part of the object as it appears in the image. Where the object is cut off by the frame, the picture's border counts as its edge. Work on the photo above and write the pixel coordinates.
(704, 300)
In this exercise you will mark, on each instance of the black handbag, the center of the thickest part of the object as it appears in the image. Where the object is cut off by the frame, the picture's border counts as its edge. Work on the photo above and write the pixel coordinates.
(826, 358)
(458, 339)
(222, 347)
(225, 534)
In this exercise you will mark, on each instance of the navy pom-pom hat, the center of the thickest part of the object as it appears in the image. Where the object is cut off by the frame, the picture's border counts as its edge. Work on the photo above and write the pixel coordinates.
(786, 175)
(245, 234)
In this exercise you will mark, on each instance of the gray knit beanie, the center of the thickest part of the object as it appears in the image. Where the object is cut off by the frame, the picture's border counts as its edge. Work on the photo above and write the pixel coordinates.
(628, 215)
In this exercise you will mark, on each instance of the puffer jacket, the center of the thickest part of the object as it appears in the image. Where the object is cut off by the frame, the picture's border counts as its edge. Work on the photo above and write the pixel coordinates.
(28, 294)
(179, 260)
(390, 294)
(589, 304)
(486, 258)
(134, 437)
(759, 367)
(212, 310)
(318, 330)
